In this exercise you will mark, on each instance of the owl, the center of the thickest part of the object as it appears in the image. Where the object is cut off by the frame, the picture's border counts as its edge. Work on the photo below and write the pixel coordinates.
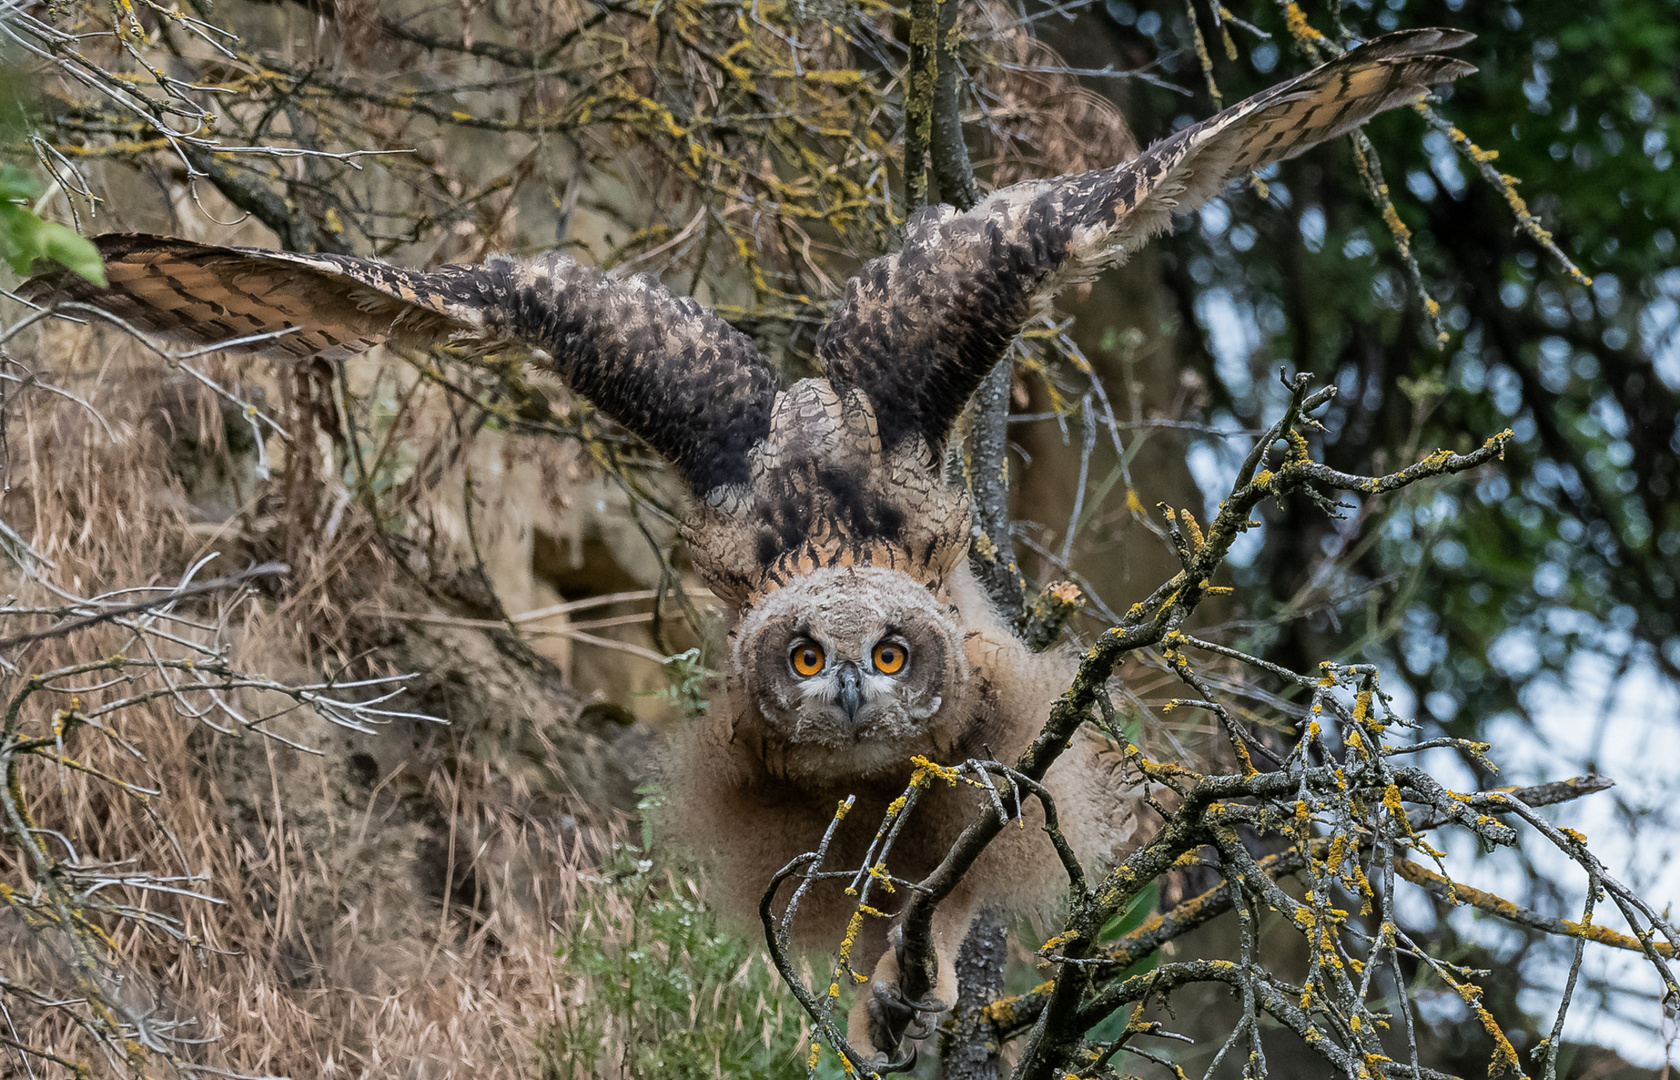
(820, 514)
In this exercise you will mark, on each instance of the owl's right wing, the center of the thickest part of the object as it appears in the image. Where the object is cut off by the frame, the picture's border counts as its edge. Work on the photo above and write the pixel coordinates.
(919, 329)
(689, 384)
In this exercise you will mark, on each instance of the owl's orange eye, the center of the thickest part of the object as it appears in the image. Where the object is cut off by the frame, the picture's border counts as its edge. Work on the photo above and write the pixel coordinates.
(890, 657)
(806, 658)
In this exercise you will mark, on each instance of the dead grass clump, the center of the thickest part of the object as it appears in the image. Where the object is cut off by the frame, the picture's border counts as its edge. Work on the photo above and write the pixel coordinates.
(320, 902)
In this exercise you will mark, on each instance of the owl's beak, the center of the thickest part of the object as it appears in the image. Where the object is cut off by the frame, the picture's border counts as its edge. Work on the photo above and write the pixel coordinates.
(851, 689)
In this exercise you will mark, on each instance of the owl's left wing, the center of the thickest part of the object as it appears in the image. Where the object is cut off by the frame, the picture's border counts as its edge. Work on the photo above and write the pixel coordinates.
(918, 330)
(691, 386)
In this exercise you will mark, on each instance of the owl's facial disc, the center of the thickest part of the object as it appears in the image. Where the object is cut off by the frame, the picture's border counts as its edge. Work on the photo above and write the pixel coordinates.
(850, 669)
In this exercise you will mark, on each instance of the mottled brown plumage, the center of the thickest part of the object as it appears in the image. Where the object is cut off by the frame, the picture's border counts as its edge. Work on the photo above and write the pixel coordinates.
(672, 371)
(821, 514)
(920, 328)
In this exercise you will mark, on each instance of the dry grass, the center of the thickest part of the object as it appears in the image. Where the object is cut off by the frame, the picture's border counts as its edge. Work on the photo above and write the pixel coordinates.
(391, 904)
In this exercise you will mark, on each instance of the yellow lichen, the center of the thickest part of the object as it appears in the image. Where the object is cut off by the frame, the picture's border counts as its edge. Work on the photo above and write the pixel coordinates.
(1296, 19)
(926, 768)
(1056, 942)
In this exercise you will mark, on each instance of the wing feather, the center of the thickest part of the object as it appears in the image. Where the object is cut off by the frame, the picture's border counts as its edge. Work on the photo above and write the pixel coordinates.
(199, 295)
(920, 328)
(689, 384)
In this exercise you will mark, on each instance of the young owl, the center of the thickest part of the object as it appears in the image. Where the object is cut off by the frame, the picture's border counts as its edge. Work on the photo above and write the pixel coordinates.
(821, 515)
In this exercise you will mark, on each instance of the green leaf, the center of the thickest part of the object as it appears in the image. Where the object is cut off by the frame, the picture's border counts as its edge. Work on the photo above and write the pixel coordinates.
(17, 184)
(73, 251)
(1136, 914)
(25, 238)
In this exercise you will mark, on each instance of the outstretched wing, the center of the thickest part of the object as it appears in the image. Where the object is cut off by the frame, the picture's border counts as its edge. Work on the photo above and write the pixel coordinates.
(919, 329)
(692, 386)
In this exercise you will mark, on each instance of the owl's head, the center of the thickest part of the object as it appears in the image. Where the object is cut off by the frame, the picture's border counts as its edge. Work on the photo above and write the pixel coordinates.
(849, 669)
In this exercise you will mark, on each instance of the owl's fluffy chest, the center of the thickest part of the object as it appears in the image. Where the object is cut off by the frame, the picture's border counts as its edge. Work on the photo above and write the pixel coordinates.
(739, 799)
(744, 822)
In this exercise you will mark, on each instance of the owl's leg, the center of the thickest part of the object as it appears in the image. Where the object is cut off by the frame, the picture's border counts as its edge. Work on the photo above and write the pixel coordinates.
(885, 1019)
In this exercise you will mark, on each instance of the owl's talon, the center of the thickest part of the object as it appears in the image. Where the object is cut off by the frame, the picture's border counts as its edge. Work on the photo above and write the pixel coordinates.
(896, 1021)
(885, 1064)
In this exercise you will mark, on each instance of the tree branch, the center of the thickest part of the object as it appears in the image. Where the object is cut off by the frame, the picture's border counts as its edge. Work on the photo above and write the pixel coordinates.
(1207, 813)
(971, 1052)
(1457, 893)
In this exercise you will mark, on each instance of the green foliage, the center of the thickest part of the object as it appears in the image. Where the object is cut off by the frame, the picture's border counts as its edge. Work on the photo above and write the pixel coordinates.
(1135, 915)
(660, 991)
(25, 237)
(689, 681)
(1470, 597)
